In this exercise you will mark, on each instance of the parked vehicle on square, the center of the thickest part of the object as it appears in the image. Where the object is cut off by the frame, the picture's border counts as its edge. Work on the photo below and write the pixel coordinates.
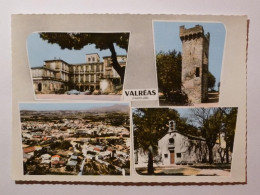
(96, 92)
(60, 91)
(73, 92)
(87, 92)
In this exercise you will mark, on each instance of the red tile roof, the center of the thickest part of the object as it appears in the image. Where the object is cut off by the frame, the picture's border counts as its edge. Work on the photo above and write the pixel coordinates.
(56, 156)
(29, 149)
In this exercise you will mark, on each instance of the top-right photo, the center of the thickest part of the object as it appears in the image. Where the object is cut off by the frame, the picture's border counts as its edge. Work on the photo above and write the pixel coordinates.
(189, 61)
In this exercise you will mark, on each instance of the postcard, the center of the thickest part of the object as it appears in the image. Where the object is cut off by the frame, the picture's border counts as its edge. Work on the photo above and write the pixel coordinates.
(140, 99)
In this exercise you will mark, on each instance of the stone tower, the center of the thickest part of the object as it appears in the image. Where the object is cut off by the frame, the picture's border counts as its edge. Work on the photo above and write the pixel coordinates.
(195, 52)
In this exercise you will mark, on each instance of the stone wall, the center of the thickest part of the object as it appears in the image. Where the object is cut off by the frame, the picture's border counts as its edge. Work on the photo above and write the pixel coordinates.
(195, 47)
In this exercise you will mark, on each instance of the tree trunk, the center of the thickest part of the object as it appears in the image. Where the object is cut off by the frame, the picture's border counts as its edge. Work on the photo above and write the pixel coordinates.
(120, 70)
(227, 154)
(211, 158)
(150, 170)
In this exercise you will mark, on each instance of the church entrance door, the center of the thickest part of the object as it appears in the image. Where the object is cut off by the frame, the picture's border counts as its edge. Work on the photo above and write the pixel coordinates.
(172, 157)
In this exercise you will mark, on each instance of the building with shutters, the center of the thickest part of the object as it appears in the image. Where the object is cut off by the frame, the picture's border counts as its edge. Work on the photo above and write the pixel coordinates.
(59, 76)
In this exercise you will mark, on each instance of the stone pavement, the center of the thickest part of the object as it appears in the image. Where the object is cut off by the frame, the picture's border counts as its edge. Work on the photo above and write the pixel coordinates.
(79, 97)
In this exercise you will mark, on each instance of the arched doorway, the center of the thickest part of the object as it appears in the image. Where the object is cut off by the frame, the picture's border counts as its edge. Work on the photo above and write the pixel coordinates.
(81, 88)
(40, 87)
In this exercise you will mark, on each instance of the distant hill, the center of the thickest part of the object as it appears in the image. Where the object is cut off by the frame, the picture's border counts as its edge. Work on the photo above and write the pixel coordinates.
(113, 108)
(105, 109)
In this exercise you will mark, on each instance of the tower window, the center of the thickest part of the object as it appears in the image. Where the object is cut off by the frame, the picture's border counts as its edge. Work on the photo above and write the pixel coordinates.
(197, 72)
(178, 155)
(165, 155)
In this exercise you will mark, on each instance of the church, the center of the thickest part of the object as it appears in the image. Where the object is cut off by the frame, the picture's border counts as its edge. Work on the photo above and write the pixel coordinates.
(176, 148)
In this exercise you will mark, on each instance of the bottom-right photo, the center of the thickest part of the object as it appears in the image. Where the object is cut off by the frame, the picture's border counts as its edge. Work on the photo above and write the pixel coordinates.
(184, 141)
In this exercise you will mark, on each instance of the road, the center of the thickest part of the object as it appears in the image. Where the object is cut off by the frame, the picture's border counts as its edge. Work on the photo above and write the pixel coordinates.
(82, 166)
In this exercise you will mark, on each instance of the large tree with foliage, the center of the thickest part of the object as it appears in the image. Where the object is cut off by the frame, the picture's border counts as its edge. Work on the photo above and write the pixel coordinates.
(211, 81)
(212, 122)
(150, 125)
(169, 72)
(102, 41)
(229, 127)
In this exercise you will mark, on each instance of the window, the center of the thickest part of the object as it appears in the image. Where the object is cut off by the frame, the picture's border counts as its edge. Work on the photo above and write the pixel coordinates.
(165, 155)
(178, 155)
(197, 72)
(171, 141)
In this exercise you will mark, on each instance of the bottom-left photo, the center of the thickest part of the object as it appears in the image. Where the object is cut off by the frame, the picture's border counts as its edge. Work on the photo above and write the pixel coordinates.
(75, 138)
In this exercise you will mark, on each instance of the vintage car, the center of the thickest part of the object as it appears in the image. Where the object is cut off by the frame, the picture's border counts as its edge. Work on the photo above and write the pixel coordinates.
(73, 91)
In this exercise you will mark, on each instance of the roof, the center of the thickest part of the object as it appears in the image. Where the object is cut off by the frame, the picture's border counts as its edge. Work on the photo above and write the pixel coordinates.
(29, 149)
(55, 60)
(116, 55)
(72, 163)
(45, 155)
(56, 156)
(43, 67)
(97, 149)
(189, 136)
(82, 64)
(92, 54)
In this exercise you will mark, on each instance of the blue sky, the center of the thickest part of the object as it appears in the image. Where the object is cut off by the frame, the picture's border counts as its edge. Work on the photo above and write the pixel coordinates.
(66, 106)
(39, 51)
(166, 36)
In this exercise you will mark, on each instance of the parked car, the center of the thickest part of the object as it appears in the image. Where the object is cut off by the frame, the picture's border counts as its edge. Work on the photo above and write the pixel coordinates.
(96, 92)
(60, 91)
(73, 91)
(87, 92)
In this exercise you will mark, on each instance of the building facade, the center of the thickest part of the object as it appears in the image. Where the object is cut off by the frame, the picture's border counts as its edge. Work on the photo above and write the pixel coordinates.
(176, 148)
(57, 75)
(195, 52)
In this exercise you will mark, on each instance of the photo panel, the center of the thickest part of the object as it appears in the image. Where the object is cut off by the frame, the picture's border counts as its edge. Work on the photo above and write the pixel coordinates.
(184, 141)
(189, 58)
(78, 66)
(79, 139)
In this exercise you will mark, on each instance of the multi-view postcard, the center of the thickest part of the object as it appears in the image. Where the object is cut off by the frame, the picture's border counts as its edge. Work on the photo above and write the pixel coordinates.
(141, 99)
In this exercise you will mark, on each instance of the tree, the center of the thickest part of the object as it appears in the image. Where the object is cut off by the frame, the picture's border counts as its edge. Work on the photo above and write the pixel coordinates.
(211, 81)
(169, 72)
(210, 121)
(150, 125)
(229, 129)
(102, 41)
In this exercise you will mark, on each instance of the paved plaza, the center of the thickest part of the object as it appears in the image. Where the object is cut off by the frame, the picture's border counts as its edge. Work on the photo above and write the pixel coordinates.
(79, 97)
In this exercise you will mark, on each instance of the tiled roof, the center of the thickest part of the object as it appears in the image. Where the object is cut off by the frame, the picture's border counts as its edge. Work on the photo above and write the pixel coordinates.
(29, 149)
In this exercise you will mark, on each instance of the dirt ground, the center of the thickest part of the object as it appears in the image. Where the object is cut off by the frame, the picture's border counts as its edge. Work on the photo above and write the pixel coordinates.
(185, 170)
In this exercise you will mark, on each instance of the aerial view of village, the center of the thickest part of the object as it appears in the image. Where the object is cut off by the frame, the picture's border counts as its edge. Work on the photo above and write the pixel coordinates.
(75, 139)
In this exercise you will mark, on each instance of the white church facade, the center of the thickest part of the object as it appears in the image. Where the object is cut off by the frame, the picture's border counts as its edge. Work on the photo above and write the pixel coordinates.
(176, 148)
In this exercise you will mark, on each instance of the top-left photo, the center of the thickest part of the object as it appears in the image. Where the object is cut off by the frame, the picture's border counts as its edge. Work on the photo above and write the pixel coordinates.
(78, 66)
